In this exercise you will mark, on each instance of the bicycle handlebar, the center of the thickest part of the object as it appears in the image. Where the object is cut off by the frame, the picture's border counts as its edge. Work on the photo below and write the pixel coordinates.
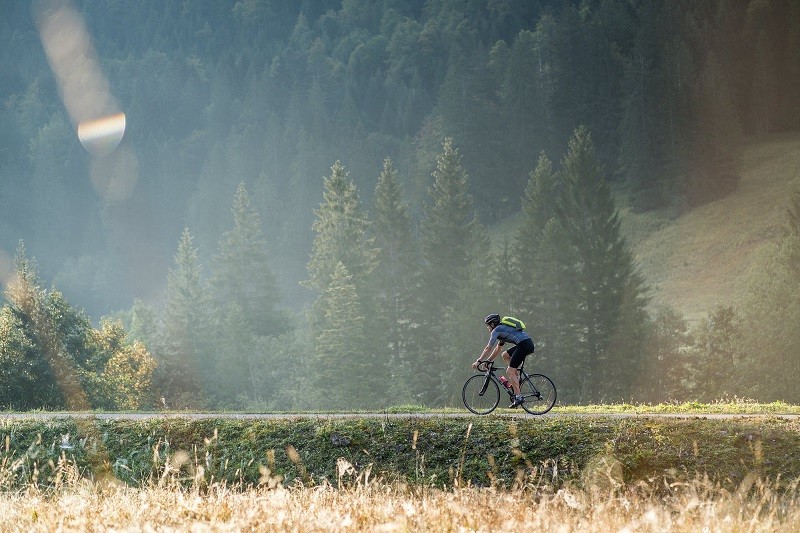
(484, 366)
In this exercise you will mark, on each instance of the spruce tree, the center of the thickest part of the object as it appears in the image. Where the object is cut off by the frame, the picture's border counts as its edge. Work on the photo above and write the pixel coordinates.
(345, 375)
(770, 319)
(184, 359)
(538, 209)
(242, 274)
(449, 235)
(604, 273)
(232, 348)
(340, 271)
(342, 235)
(396, 274)
(553, 313)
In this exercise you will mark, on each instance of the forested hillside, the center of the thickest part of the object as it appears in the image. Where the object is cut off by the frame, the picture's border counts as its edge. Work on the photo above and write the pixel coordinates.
(306, 188)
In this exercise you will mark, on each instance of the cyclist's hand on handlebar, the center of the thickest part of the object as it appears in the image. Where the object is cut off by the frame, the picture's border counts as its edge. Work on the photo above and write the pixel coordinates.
(477, 363)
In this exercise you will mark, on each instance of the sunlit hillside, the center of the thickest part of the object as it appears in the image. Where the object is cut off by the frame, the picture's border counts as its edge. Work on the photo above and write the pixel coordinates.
(699, 259)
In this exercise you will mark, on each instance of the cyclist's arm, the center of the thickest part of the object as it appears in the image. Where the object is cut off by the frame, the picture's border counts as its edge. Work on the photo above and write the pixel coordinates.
(491, 351)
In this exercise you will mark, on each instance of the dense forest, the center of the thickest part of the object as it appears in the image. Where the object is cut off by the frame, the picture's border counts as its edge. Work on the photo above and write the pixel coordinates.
(303, 209)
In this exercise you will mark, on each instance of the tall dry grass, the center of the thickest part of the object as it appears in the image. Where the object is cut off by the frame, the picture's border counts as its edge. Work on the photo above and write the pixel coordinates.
(694, 506)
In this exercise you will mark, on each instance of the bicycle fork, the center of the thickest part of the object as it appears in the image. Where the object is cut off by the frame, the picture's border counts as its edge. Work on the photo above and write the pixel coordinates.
(485, 385)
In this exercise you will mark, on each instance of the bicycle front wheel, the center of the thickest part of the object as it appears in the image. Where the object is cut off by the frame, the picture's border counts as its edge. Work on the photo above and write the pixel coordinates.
(481, 394)
(539, 392)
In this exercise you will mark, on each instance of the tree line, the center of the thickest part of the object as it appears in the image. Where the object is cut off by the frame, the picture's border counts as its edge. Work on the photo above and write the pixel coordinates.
(269, 93)
(398, 307)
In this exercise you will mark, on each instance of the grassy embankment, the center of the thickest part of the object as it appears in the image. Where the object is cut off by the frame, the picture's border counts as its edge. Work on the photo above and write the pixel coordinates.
(403, 473)
(499, 451)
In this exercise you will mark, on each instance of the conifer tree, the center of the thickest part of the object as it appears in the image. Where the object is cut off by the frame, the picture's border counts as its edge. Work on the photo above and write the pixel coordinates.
(232, 348)
(341, 235)
(396, 273)
(60, 362)
(449, 235)
(341, 272)
(543, 276)
(718, 342)
(666, 370)
(447, 230)
(184, 360)
(639, 129)
(345, 374)
(538, 208)
(144, 325)
(604, 273)
(242, 273)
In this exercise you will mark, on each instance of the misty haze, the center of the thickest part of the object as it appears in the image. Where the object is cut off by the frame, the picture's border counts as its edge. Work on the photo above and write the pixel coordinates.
(297, 205)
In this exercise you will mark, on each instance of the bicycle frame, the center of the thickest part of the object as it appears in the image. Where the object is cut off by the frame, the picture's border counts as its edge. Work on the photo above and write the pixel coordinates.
(530, 389)
(491, 374)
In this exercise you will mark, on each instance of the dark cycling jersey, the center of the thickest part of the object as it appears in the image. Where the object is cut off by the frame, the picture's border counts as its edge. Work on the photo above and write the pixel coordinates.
(503, 334)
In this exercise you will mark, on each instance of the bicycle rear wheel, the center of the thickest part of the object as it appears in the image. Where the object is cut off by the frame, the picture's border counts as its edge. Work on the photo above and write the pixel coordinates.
(539, 392)
(481, 394)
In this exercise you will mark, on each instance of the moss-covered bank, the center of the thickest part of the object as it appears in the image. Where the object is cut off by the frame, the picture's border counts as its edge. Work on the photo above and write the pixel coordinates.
(418, 450)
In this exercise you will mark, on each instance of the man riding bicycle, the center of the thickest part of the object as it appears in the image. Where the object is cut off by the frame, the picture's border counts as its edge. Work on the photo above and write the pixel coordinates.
(523, 347)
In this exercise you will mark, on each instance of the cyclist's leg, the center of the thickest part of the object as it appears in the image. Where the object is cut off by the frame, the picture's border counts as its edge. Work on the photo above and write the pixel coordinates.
(517, 357)
(510, 356)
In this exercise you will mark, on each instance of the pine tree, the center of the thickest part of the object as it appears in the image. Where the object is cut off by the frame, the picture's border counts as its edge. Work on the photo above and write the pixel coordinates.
(341, 235)
(449, 235)
(242, 274)
(345, 373)
(233, 345)
(144, 325)
(718, 342)
(554, 313)
(605, 276)
(396, 274)
(446, 230)
(28, 380)
(666, 371)
(341, 271)
(184, 361)
(770, 318)
(676, 77)
(538, 208)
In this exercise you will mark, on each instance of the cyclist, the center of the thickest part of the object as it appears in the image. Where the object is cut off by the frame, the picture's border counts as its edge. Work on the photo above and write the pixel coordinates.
(499, 335)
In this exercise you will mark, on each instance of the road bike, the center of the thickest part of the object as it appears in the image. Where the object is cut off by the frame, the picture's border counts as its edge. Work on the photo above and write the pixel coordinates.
(481, 392)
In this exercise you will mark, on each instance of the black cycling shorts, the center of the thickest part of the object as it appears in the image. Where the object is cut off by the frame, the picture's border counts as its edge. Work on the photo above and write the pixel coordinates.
(519, 352)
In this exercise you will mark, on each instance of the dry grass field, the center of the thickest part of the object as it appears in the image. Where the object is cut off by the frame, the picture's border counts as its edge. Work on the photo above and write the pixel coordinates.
(697, 506)
(591, 474)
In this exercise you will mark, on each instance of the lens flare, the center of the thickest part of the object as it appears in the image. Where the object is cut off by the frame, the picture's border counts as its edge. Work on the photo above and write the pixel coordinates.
(84, 89)
(101, 136)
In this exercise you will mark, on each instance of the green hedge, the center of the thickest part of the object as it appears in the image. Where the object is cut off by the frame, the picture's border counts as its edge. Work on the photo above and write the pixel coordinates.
(417, 450)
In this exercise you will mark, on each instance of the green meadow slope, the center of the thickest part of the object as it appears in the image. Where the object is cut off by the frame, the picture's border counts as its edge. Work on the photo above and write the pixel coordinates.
(699, 259)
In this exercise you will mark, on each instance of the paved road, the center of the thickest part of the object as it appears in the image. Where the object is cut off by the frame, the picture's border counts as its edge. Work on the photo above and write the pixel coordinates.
(328, 416)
